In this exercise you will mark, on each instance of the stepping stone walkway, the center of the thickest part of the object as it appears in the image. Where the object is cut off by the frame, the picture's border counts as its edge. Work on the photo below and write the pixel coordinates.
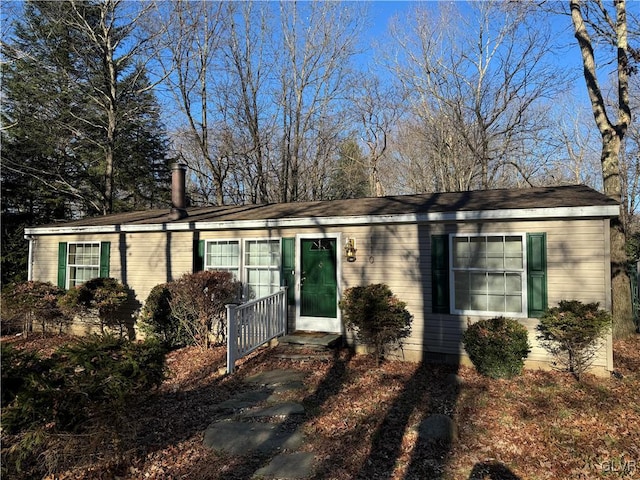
(258, 421)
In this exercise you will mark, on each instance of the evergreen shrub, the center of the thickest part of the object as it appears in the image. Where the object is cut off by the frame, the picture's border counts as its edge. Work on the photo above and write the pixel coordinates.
(378, 318)
(75, 404)
(104, 297)
(573, 332)
(156, 320)
(497, 347)
(82, 384)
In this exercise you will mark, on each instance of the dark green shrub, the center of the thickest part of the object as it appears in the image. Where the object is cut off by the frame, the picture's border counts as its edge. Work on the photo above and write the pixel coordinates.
(92, 379)
(573, 332)
(81, 398)
(28, 303)
(103, 297)
(377, 317)
(26, 393)
(156, 320)
(198, 305)
(497, 347)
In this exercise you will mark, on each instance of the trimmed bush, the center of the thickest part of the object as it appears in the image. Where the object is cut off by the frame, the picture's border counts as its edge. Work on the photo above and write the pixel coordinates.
(156, 320)
(28, 303)
(376, 316)
(497, 347)
(104, 297)
(573, 332)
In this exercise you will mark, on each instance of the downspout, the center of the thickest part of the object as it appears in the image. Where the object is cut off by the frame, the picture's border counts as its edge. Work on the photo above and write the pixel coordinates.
(31, 239)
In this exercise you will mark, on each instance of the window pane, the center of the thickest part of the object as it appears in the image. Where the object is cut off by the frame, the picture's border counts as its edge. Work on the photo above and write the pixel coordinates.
(262, 253)
(83, 262)
(462, 301)
(496, 303)
(478, 302)
(79, 275)
(495, 247)
(478, 282)
(477, 252)
(513, 303)
(261, 283)
(495, 283)
(223, 255)
(513, 282)
(513, 252)
(461, 281)
(262, 261)
(460, 252)
(495, 253)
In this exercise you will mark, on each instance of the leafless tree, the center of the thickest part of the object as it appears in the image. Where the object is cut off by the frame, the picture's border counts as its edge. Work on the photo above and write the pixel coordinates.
(377, 109)
(192, 67)
(249, 69)
(318, 43)
(475, 80)
(110, 30)
(630, 163)
(575, 158)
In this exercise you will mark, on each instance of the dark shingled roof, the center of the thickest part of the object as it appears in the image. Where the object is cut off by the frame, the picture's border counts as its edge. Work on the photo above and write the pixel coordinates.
(479, 200)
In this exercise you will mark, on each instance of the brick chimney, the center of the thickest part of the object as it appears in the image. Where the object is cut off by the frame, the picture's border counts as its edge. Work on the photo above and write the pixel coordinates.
(178, 191)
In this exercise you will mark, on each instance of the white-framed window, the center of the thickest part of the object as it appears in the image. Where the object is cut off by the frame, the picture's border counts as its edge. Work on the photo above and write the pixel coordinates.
(83, 262)
(488, 274)
(254, 262)
(223, 255)
(261, 267)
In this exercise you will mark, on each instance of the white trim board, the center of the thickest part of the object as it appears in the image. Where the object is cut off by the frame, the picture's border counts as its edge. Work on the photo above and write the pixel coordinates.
(457, 216)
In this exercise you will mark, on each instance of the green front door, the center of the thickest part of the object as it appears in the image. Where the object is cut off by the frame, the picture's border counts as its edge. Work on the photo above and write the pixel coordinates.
(318, 284)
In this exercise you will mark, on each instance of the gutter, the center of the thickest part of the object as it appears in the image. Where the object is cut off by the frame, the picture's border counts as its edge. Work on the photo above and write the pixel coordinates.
(429, 217)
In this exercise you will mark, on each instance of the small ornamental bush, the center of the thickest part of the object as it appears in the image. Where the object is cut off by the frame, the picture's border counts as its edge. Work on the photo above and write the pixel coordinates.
(32, 303)
(497, 347)
(198, 305)
(376, 316)
(104, 297)
(573, 332)
(156, 320)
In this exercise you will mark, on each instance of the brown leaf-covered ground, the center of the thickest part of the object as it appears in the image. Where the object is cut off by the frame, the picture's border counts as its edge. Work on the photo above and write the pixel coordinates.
(361, 422)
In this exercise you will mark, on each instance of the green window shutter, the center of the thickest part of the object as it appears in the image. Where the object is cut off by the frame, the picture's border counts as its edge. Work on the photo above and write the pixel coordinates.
(62, 265)
(536, 274)
(288, 267)
(440, 273)
(198, 255)
(105, 252)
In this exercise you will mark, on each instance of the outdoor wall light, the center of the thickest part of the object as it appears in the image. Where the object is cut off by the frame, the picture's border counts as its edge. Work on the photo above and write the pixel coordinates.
(350, 249)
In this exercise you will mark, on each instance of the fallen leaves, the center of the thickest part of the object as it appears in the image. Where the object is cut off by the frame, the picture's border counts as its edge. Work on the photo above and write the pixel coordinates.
(361, 420)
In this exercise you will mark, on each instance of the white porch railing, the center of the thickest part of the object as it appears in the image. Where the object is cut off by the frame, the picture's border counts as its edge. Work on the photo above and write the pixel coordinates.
(253, 324)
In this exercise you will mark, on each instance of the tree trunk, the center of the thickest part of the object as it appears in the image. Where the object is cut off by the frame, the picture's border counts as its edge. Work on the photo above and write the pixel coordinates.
(612, 135)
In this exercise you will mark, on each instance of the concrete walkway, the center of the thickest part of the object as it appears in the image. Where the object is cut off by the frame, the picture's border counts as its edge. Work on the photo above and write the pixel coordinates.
(261, 421)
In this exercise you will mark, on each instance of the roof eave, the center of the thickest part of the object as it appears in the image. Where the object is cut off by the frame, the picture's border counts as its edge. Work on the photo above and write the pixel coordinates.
(599, 211)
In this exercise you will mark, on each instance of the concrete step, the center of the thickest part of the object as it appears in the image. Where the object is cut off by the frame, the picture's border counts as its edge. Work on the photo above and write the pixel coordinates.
(312, 339)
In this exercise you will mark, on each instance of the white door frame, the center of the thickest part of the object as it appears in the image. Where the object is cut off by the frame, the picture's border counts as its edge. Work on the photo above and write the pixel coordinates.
(319, 324)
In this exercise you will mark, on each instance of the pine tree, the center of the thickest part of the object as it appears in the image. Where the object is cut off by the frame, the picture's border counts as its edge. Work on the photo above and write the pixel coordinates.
(350, 178)
(77, 139)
